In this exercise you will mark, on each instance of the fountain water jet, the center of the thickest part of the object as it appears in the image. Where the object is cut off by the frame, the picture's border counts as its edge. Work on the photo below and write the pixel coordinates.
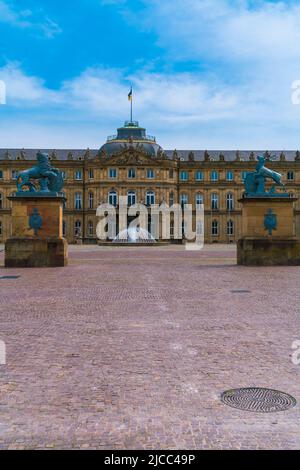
(134, 235)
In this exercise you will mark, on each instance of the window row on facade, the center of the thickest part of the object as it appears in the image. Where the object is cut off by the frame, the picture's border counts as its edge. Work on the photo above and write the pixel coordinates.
(151, 199)
(184, 175)
(214, 228)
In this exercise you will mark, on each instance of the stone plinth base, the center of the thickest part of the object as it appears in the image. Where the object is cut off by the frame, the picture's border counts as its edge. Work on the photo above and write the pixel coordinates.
(268, 252)
(36, 253)
(254, 214)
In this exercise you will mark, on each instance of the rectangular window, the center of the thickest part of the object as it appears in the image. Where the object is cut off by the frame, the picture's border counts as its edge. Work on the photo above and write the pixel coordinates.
(230, 228)
(78, 201)
(131, 173)
(171, 174)
(171, 199)
(290, 176)
(112, 173)
(150, 173)
(199, 176)
(214, 202)
(90, 229)
(64, 175)
(214, 176)
(91, 173)
(64, 228)
(78, 175)
(14, 174)
(184, 176)
(244, 174)
(215, 228)
(229, 176)
(1, 175)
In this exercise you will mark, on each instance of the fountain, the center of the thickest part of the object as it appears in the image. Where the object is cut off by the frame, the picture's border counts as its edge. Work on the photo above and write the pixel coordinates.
(134, 235)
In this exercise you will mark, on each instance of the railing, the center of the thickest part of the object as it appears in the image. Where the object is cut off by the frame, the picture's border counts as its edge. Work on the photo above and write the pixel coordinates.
(150, 138)
(131, 124)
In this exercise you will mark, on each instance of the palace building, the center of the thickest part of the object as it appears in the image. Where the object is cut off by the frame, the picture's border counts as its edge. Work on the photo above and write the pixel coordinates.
(132, 163)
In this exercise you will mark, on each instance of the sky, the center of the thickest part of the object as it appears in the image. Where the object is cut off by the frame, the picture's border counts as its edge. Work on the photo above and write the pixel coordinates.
(206, 74)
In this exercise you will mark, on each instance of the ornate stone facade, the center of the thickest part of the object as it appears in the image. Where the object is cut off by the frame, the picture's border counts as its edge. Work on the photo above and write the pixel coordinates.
(93, 177)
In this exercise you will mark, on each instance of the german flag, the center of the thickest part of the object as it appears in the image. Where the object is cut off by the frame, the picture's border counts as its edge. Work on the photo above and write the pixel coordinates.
(130, 95)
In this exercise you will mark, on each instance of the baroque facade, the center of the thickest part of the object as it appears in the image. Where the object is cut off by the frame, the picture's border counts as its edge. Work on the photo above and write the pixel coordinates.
(132, 164)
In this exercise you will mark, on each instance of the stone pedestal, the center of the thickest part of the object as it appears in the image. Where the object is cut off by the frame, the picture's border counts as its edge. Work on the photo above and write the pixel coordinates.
(36, 239)
(268, 232)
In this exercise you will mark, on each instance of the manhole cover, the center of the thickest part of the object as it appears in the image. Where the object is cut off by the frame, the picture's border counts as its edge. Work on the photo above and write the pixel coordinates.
(9, 277)
(260, 400)
(240, 291)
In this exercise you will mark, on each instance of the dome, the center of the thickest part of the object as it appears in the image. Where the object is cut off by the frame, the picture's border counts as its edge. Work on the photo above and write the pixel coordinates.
(131, 133)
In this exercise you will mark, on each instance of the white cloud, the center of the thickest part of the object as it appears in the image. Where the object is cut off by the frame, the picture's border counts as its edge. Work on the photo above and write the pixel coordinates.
(25, 19)
(183, 110)
(225, 29)
(23, 90)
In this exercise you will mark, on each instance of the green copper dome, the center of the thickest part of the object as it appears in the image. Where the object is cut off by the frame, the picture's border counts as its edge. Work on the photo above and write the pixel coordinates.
(131, 134)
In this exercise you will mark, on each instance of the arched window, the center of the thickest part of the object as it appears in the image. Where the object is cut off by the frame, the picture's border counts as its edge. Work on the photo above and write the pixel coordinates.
(199, 200)
(150, 198)
(215, 228)
(230, 202)
(230, 228)
(1, 201)
(113, 198)
(214, 201)
(78, 201)
(131, 198)
(91, 200)
(184, 199)
(90, 228)
(77, 228)
(64, 227)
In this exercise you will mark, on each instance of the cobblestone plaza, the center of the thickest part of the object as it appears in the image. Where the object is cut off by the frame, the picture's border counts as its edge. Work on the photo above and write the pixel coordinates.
(131, 348)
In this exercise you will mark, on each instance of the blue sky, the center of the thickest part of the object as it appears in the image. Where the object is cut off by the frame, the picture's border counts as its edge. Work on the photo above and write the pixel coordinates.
(207, 74)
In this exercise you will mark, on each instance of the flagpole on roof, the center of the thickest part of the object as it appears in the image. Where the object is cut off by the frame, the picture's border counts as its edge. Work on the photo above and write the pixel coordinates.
(130, 97)
(131, 113)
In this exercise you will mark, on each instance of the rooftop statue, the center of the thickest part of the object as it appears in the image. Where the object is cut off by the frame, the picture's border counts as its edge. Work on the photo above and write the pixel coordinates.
(255, 182)
(50, 179)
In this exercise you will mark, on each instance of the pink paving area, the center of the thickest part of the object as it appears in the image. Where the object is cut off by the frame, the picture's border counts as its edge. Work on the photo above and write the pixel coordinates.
(132, 347)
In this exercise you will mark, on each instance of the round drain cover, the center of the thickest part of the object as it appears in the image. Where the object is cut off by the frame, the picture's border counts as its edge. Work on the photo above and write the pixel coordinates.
(260, 400)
